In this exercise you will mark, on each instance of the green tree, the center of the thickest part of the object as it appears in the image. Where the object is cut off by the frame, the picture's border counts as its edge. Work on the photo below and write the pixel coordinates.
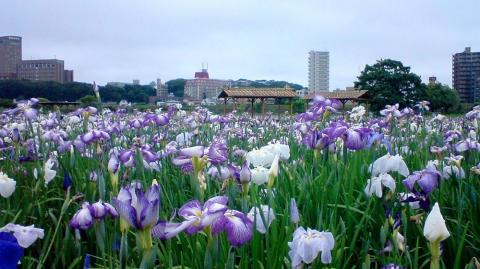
(390, 82)
(442, 98)
(88, 100)
(176, 86)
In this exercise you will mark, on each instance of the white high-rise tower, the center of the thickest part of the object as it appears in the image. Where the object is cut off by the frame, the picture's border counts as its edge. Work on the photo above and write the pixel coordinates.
(318, 71)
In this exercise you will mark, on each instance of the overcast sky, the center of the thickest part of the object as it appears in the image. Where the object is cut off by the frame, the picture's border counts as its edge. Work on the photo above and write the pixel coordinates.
(120, 40)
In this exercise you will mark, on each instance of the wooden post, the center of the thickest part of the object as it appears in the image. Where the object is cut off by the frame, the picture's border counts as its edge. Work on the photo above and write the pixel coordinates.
(234, 103)
(291, 106)
(253, 100)
(263, 106)
(225, 106)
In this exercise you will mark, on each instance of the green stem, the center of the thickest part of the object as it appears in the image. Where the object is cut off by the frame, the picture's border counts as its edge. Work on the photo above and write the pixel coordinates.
(435, 261)
(65, 206)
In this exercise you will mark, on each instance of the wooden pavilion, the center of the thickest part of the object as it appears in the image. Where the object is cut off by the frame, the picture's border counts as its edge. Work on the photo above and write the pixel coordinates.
(253, 94)
(343, 96)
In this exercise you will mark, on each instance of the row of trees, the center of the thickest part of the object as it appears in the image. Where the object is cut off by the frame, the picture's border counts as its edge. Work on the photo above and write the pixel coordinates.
(390, 82)
(73, 91)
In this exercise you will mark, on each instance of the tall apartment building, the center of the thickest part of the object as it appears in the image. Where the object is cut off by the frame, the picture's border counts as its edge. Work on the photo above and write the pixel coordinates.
(465, 74)
(318, 71)
(10, 56)
(203, 87)
(41, 70)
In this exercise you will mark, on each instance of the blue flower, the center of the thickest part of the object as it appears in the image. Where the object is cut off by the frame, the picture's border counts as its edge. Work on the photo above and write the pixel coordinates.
(10, 251)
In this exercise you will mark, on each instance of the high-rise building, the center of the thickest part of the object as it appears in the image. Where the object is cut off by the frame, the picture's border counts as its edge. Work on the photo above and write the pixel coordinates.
(318, 71)
(10, 56)
(41, 70)
(203, 87)
(465, 74)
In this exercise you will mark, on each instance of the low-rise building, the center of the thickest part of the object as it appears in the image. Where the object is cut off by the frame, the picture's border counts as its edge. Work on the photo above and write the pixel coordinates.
(41, 70)
(203, 87)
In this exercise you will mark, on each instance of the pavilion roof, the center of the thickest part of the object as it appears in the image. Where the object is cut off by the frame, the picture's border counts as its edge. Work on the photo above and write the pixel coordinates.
(340, 95)
(250, 92)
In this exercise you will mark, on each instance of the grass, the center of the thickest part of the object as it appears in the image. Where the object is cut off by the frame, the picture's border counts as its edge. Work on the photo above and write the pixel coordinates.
(328, 190)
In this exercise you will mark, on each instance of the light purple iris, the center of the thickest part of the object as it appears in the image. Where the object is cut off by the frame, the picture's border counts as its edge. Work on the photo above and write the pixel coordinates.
(238, 227)
(245, 175)
(294, 215)
(158, 119)
(222, 173)
(25, 107)
(451, 135)
(467, 144)
(196, 218)
(127, 157)
(427, 179)
(136, 124)
(391, 111)
(139, 209)
(113, 162)
(185, 155)
(94, 136)
(217, 153)
(202, 217)
(356, 139)
(84, 217)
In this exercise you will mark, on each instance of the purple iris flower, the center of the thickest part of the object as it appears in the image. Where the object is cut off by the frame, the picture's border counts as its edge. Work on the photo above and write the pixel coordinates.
(158, 119)
(84, 217)
(451, 135)
(136, 123)
(427, 179)
(113, 162)
(245, 175)
(239, 153)
(200, 216)
(185, 155)
(94, 136)
(25, 107)
(139, 209)
(416, 200)
(356, 139)
(237, 226)
(217, 153)
(316, 140)
(127, 157)
(203, 216)
(222, 172)
(467, 144)
(10, 251)
(474, 113)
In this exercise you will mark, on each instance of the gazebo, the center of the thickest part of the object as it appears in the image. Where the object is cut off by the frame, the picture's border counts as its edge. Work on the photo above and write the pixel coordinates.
(252, 94)
(342, 96)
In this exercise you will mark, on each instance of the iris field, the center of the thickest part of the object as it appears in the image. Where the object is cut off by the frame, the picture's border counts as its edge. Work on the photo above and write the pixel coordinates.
(175, 189)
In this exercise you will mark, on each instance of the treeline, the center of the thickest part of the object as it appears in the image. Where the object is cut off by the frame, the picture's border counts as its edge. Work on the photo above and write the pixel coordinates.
(73, 91)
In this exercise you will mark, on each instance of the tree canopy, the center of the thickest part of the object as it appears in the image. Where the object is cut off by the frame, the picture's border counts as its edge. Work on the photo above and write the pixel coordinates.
(390, 82)
(73, 91)
(442, 98)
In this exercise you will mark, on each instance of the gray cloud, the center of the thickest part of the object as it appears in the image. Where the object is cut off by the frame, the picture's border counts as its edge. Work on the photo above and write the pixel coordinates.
(119, 40)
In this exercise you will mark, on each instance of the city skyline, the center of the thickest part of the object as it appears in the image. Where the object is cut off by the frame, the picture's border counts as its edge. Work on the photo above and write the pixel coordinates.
(268, 40)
